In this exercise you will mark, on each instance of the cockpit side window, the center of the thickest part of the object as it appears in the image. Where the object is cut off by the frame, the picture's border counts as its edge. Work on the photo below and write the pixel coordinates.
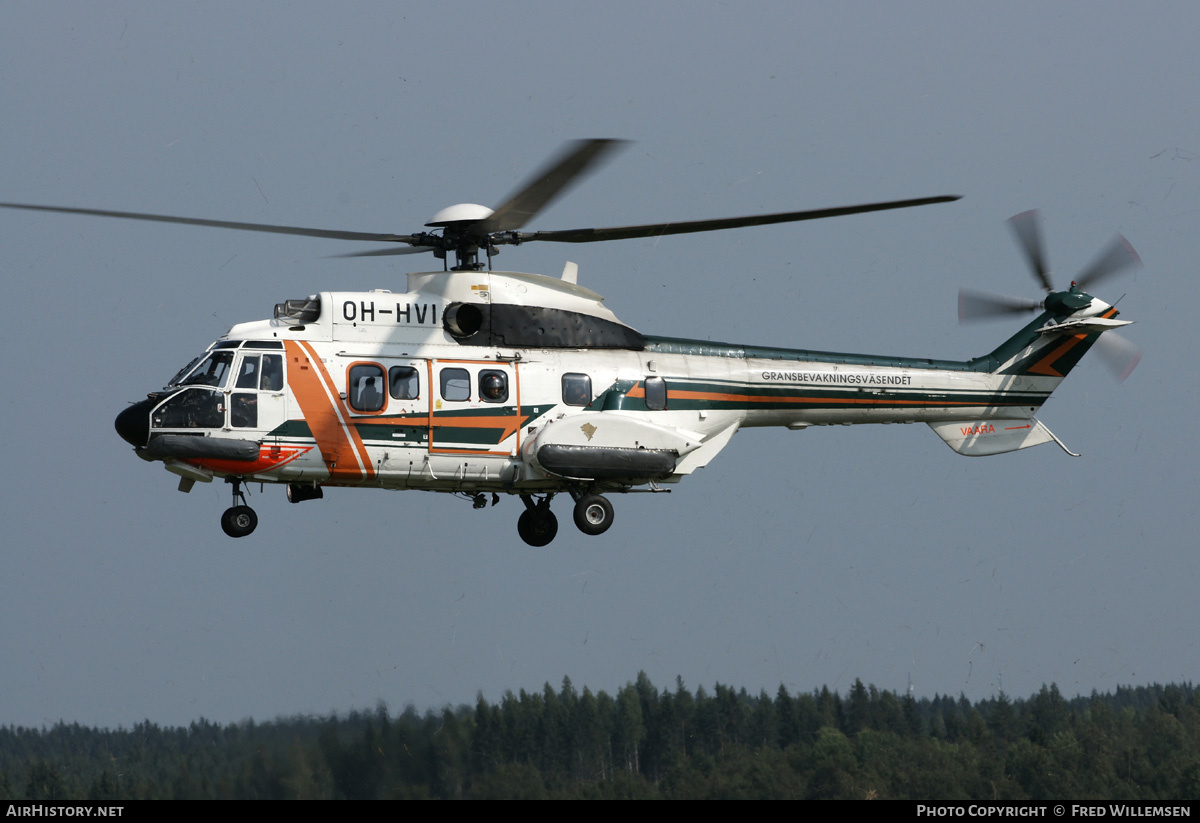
(248, 374)
(243, 410)
(190, 409)
(272, 372)
(211, 372)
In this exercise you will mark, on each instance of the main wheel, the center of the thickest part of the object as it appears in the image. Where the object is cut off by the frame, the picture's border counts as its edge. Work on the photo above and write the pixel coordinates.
(537, 527)
(239, 521)
(593, 514)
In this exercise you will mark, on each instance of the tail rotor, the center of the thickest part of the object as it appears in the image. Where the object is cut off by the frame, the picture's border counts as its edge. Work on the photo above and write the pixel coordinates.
(1118, 257)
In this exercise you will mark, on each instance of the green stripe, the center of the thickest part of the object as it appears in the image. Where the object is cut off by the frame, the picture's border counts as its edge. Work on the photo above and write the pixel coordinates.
(705, 348)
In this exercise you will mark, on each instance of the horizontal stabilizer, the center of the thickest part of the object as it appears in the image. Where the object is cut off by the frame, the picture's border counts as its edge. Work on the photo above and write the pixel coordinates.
(1087, 325)
(977, 438)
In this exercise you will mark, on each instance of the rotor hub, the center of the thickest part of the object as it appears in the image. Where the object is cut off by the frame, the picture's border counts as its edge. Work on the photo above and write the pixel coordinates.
(459, 214)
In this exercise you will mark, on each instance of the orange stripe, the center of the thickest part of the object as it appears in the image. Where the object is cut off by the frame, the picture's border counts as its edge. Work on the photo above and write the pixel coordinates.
(312, 388)
(269, 459)
(509, 424)
(468, 451)
(429, 405)
(1046, 364)
(520, 419)
(365, 467)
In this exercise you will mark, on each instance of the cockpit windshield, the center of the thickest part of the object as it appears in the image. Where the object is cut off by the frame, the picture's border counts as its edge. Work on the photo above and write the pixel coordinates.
(212, 371)
(174, 381)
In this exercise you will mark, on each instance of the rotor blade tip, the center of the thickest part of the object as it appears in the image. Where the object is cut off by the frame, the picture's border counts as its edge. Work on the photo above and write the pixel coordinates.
(1134, 256)
(1129, 369)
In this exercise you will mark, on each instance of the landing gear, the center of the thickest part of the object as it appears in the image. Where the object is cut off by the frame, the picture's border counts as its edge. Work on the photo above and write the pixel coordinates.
(239, 520)
(593, 514)
(537, 525)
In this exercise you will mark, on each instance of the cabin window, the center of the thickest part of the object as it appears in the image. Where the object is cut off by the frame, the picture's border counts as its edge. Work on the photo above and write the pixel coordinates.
(404, 382)
(656, 393)
(366, 387)
(493, 386)
(211, 372)
(576, 389)
(456, 384)
(272, 372)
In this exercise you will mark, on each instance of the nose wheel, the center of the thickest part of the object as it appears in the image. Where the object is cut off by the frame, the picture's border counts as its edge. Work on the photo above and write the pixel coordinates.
(238, 520)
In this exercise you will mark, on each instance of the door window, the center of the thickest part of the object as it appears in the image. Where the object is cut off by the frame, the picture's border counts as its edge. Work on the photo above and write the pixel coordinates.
(456, 384)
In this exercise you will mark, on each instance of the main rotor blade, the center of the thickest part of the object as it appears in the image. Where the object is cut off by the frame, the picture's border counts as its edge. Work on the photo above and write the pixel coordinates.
(661, 229)
(1026, 226)
(1116, 258)
(332, 234)
(385, 252)
(978, 305)
(576, 159)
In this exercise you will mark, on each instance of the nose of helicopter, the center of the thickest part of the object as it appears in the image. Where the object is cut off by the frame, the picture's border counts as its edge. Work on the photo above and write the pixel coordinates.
(133, 424)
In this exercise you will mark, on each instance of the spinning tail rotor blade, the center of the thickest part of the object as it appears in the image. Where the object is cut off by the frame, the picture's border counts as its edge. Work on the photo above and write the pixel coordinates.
(1118, 257)
(1026, 227)
(1119, 354)
(978, 305)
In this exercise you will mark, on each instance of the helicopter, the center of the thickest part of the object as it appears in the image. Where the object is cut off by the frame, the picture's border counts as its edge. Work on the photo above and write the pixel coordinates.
(484, 383)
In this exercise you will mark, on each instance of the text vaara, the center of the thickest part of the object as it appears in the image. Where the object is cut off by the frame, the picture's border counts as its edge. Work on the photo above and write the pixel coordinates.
(839, 378)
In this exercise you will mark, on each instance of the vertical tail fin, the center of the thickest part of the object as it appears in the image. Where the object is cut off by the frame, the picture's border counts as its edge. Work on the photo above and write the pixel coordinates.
(1056, 340)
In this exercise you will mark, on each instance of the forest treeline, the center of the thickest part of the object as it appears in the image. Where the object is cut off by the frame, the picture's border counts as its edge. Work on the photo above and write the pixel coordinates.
(1137, 743)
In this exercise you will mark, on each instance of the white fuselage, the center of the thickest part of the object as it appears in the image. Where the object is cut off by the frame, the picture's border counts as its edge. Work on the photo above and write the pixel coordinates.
(423, 390)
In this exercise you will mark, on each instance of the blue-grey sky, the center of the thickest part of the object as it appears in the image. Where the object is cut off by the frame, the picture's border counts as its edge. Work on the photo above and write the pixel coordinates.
(803, 558)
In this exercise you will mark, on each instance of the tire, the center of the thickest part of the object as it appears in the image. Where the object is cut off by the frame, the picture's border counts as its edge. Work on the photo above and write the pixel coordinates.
(239, 521)
(537, 527)
(593, 514)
